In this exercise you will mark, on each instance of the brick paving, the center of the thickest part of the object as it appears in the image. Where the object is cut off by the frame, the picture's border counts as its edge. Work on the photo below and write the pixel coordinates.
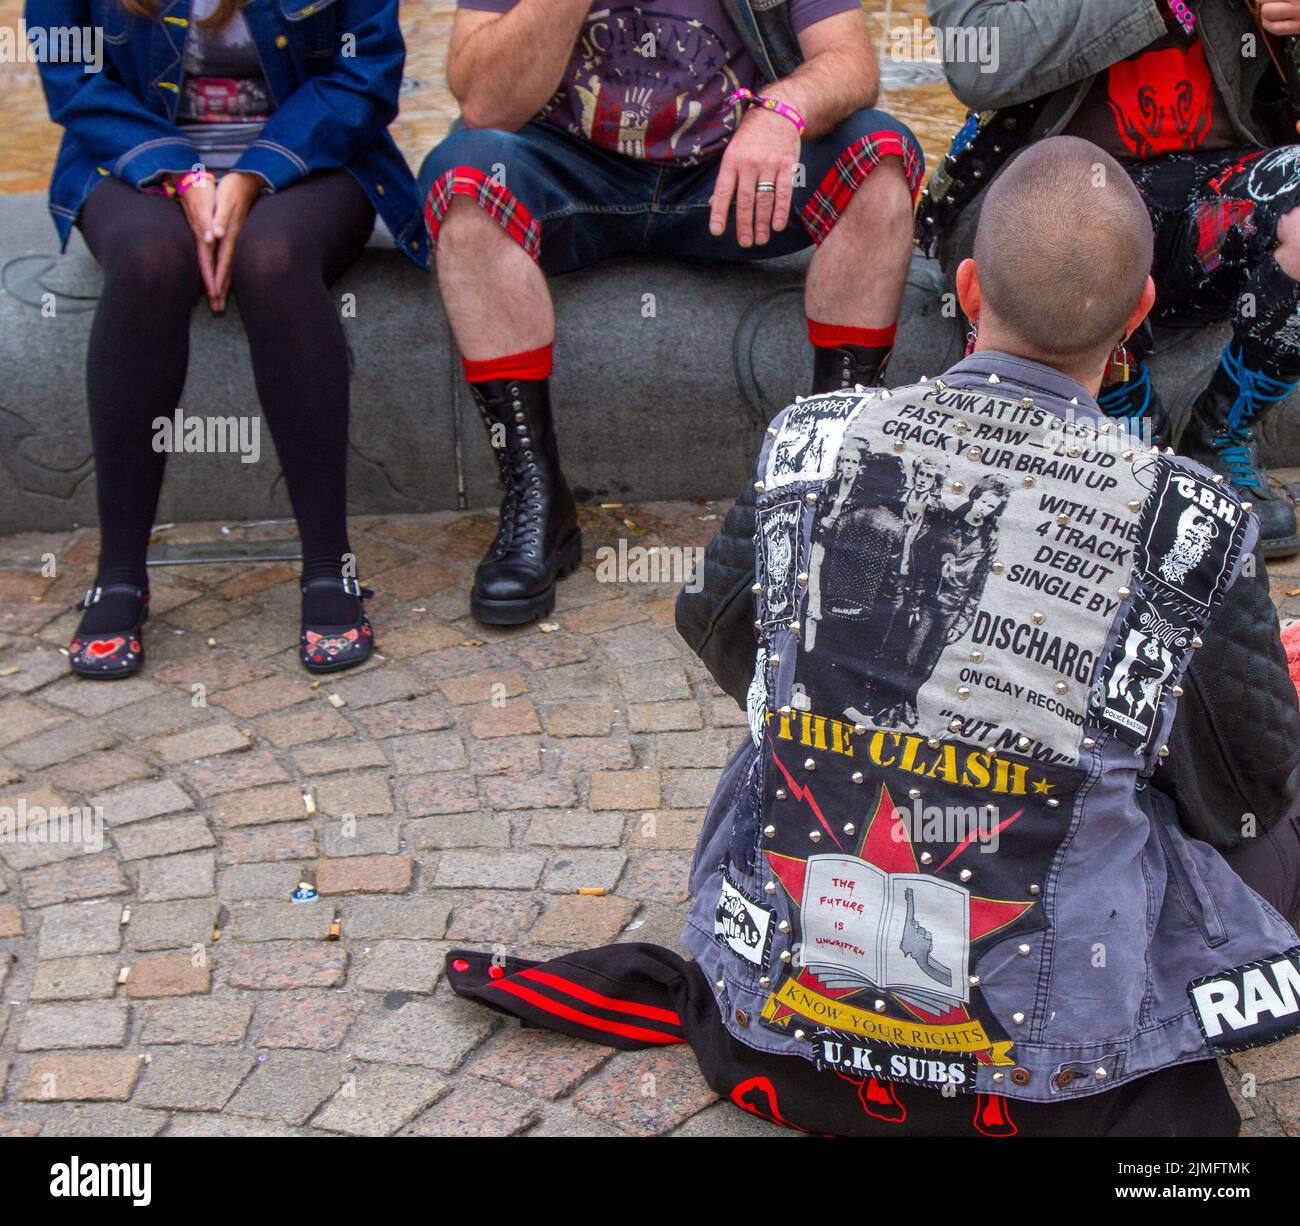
(461, 788)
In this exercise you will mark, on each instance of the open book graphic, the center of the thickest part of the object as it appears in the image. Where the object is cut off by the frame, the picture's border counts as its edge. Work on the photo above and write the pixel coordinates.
(908, 933)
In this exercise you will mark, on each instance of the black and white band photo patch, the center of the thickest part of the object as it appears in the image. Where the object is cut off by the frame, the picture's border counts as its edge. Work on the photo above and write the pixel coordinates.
(1151, 646)
(744, 927)
(809, 437)
(1193, 535)
(1249, 1005)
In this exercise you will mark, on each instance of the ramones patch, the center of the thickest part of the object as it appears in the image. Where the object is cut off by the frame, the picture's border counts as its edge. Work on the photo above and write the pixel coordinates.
(1249, 1005)
(1191, 538)
(743, 926)
(858, 1059)
(779, 548)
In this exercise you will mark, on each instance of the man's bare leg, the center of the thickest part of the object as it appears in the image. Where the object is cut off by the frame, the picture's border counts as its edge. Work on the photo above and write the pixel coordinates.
(501, 314)
(856, 281)
(495, 295)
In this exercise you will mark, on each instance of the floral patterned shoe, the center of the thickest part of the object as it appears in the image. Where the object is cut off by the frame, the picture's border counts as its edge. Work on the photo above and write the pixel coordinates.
(120, 653)
(328, 649)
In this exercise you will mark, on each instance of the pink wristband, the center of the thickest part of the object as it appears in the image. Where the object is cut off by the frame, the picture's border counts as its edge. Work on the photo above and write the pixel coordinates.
(190, 178)
(1183, 15)
(770, 104)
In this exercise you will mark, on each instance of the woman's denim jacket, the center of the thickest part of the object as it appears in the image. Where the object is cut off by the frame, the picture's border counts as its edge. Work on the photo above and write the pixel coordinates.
(334, 68)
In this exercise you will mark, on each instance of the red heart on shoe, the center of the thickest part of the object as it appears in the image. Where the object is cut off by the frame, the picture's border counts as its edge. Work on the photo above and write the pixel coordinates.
(101, 648)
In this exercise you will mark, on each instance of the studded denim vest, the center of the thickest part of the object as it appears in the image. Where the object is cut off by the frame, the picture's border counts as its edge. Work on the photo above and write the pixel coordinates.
(936, 858)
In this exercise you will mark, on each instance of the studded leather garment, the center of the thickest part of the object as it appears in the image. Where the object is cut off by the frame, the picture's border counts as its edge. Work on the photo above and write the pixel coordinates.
(880, 938)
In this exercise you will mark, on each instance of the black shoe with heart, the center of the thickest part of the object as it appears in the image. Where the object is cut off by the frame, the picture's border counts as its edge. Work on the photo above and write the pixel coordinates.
(537, 540)
(338, 642)
(118, 651)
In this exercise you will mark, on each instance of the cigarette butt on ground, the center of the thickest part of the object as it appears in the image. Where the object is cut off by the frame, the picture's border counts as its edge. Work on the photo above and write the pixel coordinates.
(126, 915)
(337, 700)
(1295, 591)
(592, 891)
(336, 928)
(124, 974)
(309, 803)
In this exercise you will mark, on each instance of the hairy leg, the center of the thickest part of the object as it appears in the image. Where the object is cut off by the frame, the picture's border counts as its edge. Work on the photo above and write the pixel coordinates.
(858, 273)
(495, 295)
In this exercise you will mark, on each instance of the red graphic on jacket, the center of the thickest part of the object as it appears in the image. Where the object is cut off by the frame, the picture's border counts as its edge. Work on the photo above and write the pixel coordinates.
(1163, 101)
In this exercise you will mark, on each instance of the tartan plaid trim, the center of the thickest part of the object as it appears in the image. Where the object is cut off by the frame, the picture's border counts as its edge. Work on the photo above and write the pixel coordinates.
(492, 197)
(844, 178)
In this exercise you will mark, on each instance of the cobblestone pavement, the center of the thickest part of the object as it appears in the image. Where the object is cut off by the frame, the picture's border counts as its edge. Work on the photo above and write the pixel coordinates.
(465, 784)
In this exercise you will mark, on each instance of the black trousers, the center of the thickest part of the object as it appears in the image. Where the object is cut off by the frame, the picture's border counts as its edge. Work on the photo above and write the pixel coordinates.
(636, 996)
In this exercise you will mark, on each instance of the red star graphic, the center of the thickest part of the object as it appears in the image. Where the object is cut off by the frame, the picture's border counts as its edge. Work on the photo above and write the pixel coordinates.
(886, 843)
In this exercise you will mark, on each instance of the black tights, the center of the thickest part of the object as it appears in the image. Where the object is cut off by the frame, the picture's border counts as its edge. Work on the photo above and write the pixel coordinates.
(293, 245)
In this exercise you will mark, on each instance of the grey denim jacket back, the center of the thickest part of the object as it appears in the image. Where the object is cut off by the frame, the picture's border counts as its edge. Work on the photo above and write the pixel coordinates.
(937, 858)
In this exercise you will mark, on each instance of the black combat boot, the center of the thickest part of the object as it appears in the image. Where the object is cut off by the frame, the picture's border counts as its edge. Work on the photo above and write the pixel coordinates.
(1221, 435)
(846, 366)
(537, 540)
(1137, 404)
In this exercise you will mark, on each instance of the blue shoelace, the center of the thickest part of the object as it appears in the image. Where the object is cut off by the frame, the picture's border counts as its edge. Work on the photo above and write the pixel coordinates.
(1255, 391)
(1129, 402)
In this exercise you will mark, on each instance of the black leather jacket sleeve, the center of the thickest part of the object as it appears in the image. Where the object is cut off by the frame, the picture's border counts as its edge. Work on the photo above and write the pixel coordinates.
(717, 622)
(1235, 743)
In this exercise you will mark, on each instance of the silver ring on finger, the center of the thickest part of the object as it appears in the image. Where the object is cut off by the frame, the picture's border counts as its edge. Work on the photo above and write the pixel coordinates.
(765, 186)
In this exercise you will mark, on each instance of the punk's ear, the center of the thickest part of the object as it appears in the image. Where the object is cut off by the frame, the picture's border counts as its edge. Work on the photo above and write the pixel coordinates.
(968, 289)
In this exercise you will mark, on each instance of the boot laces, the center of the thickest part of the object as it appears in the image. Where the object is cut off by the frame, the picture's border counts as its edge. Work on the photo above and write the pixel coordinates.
(520, 522)
(1235, 442)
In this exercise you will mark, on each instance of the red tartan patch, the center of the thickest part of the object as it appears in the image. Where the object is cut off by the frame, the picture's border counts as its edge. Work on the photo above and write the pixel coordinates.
(835, 191)
(502, 205)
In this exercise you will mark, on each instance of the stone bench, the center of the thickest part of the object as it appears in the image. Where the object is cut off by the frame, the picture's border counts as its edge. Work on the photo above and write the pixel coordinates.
(666, 374)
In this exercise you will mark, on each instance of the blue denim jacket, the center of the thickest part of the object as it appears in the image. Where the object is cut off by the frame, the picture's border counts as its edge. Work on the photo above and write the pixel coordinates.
(937, 859)
(334, 101)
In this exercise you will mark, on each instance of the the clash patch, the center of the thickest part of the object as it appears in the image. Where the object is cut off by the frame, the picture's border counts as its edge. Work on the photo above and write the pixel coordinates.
(965, 563)
(925, 964)
(851, 1057)
(808, 439)
(886, 848)
(743, 926)
(1249, 1005)
(1192, 536)
(779, 561)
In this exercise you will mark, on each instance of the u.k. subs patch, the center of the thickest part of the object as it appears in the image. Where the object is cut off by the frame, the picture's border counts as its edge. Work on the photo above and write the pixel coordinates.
(1249, 1005)
(857, 1059)
(743, 926)
(1191, 537)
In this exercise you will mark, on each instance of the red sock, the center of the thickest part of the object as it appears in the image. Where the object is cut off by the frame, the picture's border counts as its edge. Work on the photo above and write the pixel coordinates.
(531, 364)
(831, 336)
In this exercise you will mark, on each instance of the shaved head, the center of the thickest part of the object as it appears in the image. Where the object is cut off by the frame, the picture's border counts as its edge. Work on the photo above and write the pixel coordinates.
(1063, 250)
